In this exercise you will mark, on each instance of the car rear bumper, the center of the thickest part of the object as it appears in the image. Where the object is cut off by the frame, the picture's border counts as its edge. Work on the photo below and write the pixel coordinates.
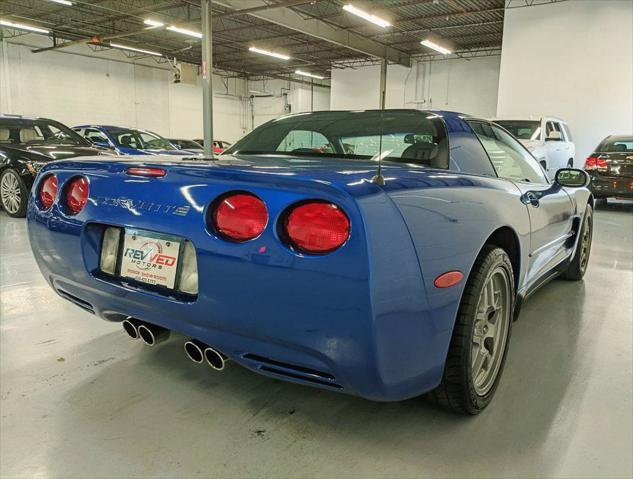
(611, 186)
(292, 323)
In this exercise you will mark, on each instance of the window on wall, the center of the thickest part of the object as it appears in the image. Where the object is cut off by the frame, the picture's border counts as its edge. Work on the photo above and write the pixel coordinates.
(509, 158)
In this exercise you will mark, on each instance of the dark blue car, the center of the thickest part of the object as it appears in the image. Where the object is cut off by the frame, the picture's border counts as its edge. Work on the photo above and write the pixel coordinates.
(130, 141)
(377, 253)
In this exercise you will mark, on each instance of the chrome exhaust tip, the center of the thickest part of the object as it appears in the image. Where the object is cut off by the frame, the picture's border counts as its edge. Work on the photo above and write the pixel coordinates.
(152, 334)
(195, 350)
(215, 359)
(130, 328)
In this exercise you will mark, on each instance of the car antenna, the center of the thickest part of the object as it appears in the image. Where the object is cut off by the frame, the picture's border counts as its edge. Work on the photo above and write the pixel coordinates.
(378, 178)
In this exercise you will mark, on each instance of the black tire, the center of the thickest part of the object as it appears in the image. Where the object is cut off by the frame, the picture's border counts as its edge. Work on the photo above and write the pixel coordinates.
(11, 176)
(600, 202)
(457, 391)
(578, 266)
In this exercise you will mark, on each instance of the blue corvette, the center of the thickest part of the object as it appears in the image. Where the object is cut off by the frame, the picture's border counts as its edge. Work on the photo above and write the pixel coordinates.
(130, 141)
(378, 253)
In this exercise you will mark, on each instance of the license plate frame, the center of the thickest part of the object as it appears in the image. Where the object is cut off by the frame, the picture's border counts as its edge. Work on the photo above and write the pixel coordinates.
(150, 258)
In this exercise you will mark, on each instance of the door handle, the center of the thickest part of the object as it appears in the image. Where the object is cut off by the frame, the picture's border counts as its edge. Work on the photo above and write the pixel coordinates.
(530, 198)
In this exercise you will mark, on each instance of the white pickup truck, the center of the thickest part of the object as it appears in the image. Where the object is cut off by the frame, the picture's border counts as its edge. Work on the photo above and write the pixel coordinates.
(548, 139)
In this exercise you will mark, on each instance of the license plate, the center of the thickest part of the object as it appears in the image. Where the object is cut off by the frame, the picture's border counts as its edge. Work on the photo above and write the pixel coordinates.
(150, 258)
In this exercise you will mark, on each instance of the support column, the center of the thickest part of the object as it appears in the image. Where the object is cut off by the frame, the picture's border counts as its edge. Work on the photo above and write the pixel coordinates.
(383, 84)
(207, 77)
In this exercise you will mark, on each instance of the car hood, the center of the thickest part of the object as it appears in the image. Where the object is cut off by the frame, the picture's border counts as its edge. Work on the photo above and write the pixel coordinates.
(56, 152)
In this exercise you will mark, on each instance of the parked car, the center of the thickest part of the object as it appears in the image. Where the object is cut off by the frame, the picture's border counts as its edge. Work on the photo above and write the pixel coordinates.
(548, 139)
(188, 145)
(611, 168)
(218, 145)
(129, 141)
(27, 144)
(386, 272)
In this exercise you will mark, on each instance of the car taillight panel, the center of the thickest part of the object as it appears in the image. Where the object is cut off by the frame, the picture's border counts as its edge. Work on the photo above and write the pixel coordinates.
(48, 191)
(77, 192)
(596, 163)
(316, 227)
(239, 216)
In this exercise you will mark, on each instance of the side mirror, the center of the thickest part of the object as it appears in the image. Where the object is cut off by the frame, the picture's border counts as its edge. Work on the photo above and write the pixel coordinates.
(572, 178)
(554, 136)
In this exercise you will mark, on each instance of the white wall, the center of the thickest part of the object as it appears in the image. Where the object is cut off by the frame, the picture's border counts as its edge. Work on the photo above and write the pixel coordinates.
(103, 88)
(300, 97)
(574, 60)
(469, 86)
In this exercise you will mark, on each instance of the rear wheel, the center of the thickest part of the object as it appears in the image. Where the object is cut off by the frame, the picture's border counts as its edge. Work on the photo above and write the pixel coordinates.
(480, 338)
(13, 193)
(580, 261)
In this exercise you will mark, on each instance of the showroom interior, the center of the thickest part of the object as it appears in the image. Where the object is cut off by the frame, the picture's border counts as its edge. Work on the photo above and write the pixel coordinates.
(80, 399)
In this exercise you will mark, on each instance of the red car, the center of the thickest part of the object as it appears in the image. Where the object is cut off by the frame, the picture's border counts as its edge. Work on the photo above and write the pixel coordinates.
(218, 145)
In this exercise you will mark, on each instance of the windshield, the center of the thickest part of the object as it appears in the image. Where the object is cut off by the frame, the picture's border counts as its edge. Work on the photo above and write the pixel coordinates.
(522, 129)
(406, 136)
(138, 139)
(20, 131)
(620, 144)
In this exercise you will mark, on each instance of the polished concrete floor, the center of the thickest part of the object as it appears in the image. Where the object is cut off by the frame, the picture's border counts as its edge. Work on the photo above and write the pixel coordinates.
(80, 400)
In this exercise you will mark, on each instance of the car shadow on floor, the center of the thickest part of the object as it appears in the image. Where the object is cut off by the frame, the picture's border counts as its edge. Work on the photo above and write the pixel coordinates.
(155, 391)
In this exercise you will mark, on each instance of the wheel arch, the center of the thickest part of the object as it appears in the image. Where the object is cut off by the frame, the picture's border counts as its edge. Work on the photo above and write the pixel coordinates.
(507, 239)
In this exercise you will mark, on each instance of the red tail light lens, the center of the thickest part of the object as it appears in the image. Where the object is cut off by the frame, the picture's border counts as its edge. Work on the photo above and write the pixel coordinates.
(48, 191)
(240, 217)
(595, 163)
(77, 194)
(147, 172)
(317, 227)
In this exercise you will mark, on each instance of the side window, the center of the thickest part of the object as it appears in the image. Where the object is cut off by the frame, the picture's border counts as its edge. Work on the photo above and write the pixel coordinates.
(567, 132)
(95, 136)
(304, 140)
(509, 158)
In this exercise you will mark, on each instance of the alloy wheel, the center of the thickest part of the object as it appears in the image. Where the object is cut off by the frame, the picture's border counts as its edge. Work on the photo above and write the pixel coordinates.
(585, 243)
(10, 192)
(490, 333)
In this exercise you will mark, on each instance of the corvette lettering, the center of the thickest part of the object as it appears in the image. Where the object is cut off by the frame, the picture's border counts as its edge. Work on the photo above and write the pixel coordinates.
(140, 205)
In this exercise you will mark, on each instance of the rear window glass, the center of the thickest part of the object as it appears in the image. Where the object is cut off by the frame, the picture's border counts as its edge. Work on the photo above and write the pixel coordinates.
(615, 145)
(398, 136)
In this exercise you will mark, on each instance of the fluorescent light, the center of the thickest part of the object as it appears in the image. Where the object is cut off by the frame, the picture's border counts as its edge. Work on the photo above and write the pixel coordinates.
(62, 2)
(184, 31)
(381, 22)
(133, 49)
(153, 23)
(436, 47)
(261, 51)
(306, 74)
(22, 26)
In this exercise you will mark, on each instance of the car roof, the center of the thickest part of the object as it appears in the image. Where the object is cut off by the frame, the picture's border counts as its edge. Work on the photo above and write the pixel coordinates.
(7, 116)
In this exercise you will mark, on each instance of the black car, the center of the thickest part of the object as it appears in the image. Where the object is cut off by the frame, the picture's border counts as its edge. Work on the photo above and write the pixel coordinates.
(611, 168)
(26, 144)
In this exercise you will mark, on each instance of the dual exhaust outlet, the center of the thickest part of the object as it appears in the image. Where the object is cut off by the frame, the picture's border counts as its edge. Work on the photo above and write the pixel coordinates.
(197, 351)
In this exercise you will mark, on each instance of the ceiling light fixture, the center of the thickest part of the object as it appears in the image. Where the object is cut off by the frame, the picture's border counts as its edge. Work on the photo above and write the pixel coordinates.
(184, 31)
(133, 49)
(306, 74)
(153, 23)
(22, 26)
(261, 51)
(434, 46)
(381, 22)
(62, 2)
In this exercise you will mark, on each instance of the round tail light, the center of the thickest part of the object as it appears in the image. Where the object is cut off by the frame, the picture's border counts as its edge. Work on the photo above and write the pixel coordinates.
(48, 191)
(77, 194)
(240, 217)
(317, 227)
